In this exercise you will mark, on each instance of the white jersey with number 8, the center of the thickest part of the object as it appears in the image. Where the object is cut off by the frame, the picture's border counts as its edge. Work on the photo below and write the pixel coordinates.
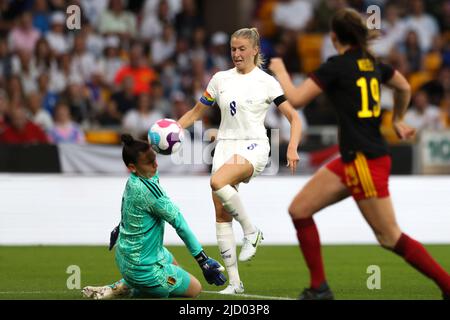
(244, 100)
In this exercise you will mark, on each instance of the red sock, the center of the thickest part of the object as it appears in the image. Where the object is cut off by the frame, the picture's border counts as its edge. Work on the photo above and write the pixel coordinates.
(417, 256)
(309, 240)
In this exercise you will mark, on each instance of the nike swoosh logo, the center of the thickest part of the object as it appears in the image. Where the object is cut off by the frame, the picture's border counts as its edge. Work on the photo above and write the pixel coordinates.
(254, 244)
(223, 252)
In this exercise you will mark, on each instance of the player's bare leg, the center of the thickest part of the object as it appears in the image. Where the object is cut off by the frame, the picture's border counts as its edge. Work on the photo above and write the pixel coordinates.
(236, 170)
(379, 213)
(227, 246)
(194, 289)
(116, 290)
(324, 189)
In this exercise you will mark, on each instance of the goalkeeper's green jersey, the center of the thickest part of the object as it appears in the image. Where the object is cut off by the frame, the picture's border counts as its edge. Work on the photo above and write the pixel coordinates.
(145, 209)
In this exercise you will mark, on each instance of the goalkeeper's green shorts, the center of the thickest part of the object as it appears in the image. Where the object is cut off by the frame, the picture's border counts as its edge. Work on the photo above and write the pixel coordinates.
(160, 280)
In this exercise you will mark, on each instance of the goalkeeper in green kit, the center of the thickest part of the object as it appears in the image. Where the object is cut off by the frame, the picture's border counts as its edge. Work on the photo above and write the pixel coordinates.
(149, 270)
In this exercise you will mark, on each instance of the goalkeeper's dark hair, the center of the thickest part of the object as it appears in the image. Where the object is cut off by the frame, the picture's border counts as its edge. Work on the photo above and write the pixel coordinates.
(133, 148)
(351, 29)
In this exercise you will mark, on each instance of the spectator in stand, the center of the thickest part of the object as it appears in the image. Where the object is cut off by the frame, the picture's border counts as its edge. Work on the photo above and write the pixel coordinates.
(77, 99)
(219, 55)
(160, 102)
(49, 97)
(424, 24)
(411, 51)
(92, 10)
(83, 62)
(7, 16)
(138, 68)
(444, 17)
(43, 57)
(125, 99)
(188, 20)
(5, 62)
(292, 14)
(111, 61)
(445, 110)
(323, 12)
(65, 130)
(138, 121)
(198, 44)
(95, 42)
(163, 48)
(4, 107)
(57, 5)
(116, 20)
(14, 90)
(153, 22)
(23, 66)
(150, 8)
(39, 115)
(21, 129)
(180, 106)
(109, 117)
(58, 41)
(24, 36)
(437, 87)
(392, 31)
(182, 56)
(423, 115)
(41, 16)
(286, 48)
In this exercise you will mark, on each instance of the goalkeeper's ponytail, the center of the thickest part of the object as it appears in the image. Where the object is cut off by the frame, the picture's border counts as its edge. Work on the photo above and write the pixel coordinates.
(132, 148)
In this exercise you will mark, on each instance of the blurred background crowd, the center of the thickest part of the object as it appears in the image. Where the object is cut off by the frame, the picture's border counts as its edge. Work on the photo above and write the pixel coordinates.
(133, 62)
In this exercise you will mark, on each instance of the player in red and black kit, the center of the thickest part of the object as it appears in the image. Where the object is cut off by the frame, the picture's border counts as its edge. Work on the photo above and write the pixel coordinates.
(352, 82)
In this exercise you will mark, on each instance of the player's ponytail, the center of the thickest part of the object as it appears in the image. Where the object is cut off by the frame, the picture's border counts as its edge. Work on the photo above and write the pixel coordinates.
(127, 139)
(351, 29)
(132, 148)
(253, 35)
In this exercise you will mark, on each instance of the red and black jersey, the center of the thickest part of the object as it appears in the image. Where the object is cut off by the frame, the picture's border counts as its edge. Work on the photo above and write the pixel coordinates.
(352, 82)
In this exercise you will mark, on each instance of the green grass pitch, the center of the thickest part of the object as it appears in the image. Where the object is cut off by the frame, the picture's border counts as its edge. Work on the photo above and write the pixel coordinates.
(39, 272)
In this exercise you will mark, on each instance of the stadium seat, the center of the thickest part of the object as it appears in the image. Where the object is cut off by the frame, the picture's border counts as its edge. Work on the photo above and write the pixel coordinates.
(432, 62)
(268, 27)
(102, 136)
(417, 79)
(309, 47)
(387, 130)
(446, 37)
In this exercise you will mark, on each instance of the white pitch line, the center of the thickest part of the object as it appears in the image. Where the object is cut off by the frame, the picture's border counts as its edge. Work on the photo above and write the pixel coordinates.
(249, 296)
(32, 292)
(208, 292)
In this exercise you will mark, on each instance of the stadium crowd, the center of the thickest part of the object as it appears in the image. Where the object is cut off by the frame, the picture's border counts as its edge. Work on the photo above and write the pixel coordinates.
(133, 62)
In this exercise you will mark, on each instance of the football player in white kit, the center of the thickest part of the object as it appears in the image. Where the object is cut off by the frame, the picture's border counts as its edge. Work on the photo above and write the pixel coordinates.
(244, 95)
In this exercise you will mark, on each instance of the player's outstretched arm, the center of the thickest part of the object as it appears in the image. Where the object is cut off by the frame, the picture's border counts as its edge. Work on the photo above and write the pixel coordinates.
(402, 96)
(297, 96)
(192, 115)
(167, 210)
(296, 132)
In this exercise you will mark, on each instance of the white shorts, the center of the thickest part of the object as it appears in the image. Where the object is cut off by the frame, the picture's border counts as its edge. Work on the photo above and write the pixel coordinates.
(255, 151)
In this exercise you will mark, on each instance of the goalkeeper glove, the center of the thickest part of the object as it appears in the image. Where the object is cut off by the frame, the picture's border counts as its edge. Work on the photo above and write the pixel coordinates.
(113, 237)
(212, 270)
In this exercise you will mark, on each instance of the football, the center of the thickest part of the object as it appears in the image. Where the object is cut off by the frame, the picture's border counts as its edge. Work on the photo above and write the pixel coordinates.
(166, 136)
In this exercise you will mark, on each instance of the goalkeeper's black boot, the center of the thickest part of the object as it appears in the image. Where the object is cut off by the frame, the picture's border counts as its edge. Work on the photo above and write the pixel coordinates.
(322, 293)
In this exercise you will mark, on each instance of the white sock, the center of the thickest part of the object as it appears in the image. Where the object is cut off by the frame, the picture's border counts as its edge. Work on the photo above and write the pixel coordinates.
(231, 201)
(227, 247)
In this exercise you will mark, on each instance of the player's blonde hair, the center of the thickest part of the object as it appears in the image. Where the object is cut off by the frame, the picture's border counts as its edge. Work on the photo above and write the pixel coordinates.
(253, 35)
